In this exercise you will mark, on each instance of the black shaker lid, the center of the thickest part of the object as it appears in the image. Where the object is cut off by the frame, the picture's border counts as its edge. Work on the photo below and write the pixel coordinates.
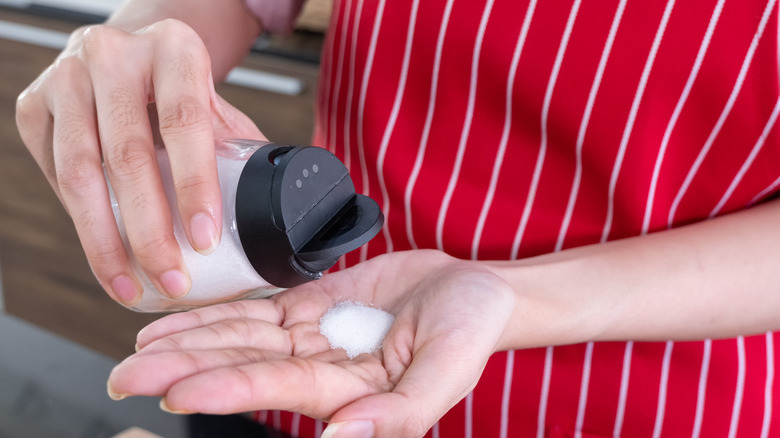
(297, 212)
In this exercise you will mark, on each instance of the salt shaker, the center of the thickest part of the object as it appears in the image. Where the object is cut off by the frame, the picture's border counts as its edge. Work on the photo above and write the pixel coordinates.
(289, 213)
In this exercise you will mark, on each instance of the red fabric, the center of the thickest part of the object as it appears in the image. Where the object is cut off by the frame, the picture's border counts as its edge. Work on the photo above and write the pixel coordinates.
(664, 134)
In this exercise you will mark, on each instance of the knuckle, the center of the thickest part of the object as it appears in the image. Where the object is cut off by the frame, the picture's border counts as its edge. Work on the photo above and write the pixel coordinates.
(75, 174)
(184, 116)
(76, 40)
(30, 110)
(306, 377)
(150, 248)
(140, 202)
(238, 329)
(169, 344)
(129, 159)
(66, 71)
(189, 57)
(99, 40)
(68, 84)
(172, 27)
(26, 105)
(194, 184)
(104, 256)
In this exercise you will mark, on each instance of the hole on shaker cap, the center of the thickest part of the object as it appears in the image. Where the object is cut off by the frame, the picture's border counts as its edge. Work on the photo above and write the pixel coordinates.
(275, 156)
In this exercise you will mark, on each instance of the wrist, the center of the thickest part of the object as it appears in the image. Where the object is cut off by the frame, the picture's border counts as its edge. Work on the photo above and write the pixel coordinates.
(552, 305)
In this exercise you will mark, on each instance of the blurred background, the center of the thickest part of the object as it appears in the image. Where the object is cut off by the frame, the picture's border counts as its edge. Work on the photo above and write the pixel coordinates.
(60, 335)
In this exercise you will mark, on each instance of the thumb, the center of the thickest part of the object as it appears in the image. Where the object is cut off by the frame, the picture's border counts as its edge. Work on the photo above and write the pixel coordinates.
(383, 415)
(432, 385)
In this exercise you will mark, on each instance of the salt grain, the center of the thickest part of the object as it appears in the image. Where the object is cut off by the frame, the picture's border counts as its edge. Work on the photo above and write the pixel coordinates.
(355, 327)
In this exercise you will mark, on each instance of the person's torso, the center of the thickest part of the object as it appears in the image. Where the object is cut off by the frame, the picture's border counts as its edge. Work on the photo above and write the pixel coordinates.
(507, 129)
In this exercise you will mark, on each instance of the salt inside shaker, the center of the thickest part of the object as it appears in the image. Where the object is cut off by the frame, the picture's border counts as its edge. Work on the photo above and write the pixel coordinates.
(289, 213)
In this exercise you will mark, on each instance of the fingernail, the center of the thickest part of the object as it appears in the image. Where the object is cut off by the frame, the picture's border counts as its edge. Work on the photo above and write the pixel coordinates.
(349, 429)
(175, 283)
(164, 406)
(137, 348)
(124, 289)
(204, 233)
(113, 394)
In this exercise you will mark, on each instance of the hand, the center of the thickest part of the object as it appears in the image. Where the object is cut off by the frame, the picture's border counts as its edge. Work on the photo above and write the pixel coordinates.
(269, 354)
(90, 108)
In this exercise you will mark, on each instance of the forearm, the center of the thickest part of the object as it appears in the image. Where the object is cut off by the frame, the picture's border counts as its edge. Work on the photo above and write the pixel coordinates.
(713, 279)
(226, 27)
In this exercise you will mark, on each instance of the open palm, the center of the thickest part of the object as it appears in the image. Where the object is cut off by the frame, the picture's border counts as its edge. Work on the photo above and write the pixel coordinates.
(269, 354)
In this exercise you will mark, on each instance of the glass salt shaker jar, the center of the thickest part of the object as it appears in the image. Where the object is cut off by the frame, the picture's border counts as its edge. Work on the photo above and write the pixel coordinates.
(289, 213)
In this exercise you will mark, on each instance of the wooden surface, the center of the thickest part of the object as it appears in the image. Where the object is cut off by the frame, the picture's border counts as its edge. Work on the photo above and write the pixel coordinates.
(46, 279)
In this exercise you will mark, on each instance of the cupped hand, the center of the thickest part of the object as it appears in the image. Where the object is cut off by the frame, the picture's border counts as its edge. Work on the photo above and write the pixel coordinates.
(269, 354)
(90, 108)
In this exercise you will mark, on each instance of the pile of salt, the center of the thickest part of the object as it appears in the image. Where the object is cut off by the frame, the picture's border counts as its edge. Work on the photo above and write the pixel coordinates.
(355, 327)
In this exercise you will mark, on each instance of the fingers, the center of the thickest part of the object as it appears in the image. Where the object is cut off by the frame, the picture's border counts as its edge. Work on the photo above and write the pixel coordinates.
(231, 380)
(82, 185)
(245, 355)
(433, 383)
(60, 131)
(218, 369)
(130, 159)
(231, 332)
(90, 107)
(184, 344)
(182, 89)
(154, 374)
(264, 310)
(312, 387)
(34, 123)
